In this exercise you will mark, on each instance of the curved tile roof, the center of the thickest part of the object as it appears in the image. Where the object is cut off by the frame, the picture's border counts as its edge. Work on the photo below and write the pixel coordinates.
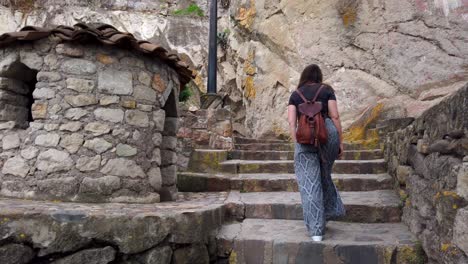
(102, 33)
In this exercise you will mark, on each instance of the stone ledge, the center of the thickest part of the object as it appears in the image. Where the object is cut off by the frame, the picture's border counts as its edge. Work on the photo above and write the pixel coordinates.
(64, 228)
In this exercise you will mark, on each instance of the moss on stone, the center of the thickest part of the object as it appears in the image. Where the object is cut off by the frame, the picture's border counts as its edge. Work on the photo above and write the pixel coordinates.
(207, 161)
(246, 168)
(233, 258)
(411, 254)
(389, 253)
(191, 10)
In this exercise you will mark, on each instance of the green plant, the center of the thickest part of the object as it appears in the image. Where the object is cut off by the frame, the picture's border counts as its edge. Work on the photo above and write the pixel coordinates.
(191, 10)
(223, 38)
(185, 94)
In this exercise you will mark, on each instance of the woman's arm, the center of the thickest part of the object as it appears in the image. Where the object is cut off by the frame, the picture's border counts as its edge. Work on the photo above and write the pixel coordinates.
(335, 117)
(292, 119)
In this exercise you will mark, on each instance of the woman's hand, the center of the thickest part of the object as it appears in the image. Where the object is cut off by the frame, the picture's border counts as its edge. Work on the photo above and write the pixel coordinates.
(341, 151)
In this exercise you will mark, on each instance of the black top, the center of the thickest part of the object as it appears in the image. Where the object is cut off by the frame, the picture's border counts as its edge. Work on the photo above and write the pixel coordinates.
(309, 91)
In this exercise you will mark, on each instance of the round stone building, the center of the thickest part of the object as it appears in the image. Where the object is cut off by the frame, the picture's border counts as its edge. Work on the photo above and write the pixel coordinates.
(88, 114)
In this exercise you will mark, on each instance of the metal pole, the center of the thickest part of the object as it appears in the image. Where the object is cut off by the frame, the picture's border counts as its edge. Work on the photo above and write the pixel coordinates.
(213, 49)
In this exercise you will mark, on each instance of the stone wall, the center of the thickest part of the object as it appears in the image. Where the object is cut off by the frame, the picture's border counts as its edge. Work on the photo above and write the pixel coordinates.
(429, 161)
(97, 129)
(203, 129)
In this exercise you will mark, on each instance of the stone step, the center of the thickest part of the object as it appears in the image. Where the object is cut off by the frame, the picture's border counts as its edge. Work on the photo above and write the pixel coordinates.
(243, 140)
(289, 155)
(286, 242)
(282, 146)
(268, 182)
(265, 146)
(287, 166)
(381, 206)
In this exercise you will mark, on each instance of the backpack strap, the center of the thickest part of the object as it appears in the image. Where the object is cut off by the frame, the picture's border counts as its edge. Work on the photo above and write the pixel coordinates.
(315, 97)
(317, 94)
(302, 95)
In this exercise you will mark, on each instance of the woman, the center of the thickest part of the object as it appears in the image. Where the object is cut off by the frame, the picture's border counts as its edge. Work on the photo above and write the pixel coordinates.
(313, 166)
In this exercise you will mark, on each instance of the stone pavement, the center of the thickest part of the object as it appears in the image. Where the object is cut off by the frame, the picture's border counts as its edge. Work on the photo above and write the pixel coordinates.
(264, 214)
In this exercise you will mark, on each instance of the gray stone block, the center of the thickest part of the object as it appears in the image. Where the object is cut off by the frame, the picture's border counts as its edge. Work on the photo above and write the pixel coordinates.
(81, 100)
(16, 166)
(103, 186)
(11, 141)
(97, 128)
(124, 168)
(110, 115)
(54, 160)
(32, 60)
(159, 117)
(80, 85)
(169, 175)
(79, 67)
(47, 140)
(58, 188)
(85, 163)
(136, 118)
(194, 254)
(89, 256)
(144, 93)
(15, 254)
(72, 143)
(99, 145)
(69, 50)
(49, 77)
(115, 82)
(160, 255)
(170, 126)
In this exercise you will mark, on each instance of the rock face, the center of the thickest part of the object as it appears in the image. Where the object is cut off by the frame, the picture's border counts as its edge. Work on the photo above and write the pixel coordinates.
(370, 51)
(90, 136)
(432, 176)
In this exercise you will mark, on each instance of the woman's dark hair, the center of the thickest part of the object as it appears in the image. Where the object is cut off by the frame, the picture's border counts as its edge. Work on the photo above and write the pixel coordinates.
(311, 73)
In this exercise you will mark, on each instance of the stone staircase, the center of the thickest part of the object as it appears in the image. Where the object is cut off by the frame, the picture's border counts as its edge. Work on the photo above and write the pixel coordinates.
(264, 213)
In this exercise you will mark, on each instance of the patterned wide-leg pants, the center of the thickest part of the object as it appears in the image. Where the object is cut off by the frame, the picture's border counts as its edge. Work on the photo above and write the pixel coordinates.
(320, 198)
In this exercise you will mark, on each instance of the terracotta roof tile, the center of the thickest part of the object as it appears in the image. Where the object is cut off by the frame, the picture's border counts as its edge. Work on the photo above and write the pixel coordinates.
(105, 34)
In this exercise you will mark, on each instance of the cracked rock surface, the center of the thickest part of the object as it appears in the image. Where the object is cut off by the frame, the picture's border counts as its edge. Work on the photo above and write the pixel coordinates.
(406, 54)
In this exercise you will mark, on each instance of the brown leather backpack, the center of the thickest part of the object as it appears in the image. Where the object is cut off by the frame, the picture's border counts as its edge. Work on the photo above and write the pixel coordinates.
(311, 127)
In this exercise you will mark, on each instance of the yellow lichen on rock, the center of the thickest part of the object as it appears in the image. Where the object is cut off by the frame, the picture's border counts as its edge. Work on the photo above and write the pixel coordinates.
(249, 87)
(445, 246)
(199, 82)
(233, 258)
(250, 70)
(246, 16)
(359, 130)
(249, 67)
(349, 16)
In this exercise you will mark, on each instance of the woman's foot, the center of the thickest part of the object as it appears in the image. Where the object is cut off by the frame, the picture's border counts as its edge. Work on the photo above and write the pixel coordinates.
(317, 238)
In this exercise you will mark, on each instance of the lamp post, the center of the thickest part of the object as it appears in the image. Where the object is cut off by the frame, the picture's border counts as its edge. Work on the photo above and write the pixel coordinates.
(213, 50)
